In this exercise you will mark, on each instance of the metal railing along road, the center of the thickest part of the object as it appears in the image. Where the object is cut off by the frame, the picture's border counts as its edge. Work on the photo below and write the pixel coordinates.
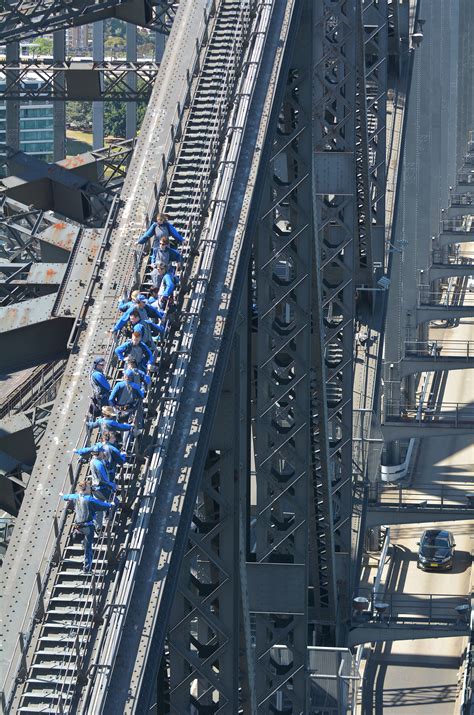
(459, 224)
(465, 178)
(443, 257)
(449, 413)
(424, 609)
(463, 199)
(445, 496)
(453, 297)
(439, 349)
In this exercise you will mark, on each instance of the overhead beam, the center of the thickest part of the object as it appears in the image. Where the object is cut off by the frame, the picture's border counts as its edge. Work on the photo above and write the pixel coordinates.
(389, 633)
(426, 313)
(23, 20)
(77, 80)
(381, 515)
(406, 429)
(445, 270)
(28, 335)
(410, 365)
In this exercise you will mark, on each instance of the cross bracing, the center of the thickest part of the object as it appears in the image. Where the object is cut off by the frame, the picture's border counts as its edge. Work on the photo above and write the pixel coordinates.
(22, 19)
(83, 80)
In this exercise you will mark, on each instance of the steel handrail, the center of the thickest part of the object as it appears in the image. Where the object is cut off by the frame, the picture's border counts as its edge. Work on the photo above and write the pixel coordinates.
(56, 531)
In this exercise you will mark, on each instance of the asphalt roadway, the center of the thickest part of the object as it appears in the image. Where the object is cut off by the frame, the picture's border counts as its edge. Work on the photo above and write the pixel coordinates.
(420, 677)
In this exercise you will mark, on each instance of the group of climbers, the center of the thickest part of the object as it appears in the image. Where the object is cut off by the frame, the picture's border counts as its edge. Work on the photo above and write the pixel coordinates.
(118, 410)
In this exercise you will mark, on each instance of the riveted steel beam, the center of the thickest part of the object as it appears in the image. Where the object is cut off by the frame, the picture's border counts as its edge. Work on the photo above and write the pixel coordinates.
(336, 68)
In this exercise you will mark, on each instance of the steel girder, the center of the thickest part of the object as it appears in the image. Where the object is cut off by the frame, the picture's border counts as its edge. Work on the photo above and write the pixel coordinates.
(336, 214)
(209, 635)
(69, 80)
(299, 493)
(29, 18)
(283, 251)
(466, 61)
(373, 28)
(81, 187)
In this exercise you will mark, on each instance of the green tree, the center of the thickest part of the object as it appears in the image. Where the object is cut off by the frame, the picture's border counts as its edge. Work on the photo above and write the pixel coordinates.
(42, 46)
(114, 119)
(115, 28)
(79, 114)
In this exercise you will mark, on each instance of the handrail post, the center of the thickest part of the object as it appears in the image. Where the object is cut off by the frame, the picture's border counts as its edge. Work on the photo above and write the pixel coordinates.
(430, 616)
(22, 670)
(40, 609)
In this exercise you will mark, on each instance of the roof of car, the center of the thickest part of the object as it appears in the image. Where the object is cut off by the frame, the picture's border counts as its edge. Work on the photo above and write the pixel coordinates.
(436, 532)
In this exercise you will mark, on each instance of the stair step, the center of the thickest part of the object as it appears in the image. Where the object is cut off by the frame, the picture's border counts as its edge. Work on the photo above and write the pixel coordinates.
(51, 667)
(59, 651)
(81, 600)
(44, 695)
(54, 679)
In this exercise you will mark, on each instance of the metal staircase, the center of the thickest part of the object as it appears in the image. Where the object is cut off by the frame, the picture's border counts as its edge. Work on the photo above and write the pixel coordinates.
(69, 643)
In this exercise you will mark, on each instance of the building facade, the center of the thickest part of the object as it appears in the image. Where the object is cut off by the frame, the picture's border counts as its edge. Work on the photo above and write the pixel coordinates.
(36, 126)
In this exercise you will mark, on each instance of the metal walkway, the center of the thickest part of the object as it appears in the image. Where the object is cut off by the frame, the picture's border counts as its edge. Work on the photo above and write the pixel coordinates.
(80, 619)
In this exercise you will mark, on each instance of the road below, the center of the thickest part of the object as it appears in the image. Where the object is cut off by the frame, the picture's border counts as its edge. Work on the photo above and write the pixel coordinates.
(420, 677)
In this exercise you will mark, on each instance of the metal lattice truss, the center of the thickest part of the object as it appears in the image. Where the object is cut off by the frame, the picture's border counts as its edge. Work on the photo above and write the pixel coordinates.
(114, 160)
(20, 228)
(336, 214)
(283, 252)
(204, 632)
(29, 18)
(52, 80)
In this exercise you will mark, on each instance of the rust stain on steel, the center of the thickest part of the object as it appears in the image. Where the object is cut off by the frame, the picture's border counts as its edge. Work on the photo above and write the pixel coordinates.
(50, 273)
(61, 234)
(73, 161)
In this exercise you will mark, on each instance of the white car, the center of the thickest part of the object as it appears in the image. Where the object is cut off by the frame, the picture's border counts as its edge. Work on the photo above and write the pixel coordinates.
(470, 283)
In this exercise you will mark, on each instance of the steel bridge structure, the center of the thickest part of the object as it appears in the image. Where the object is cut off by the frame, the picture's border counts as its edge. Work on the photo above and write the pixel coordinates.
(274, 138)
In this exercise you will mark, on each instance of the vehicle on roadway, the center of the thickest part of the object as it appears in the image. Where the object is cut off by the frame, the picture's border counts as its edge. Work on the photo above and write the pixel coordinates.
(470, 283)
(436, 550)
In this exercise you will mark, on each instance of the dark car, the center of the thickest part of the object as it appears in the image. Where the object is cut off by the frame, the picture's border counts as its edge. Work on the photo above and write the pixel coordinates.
(436, 550)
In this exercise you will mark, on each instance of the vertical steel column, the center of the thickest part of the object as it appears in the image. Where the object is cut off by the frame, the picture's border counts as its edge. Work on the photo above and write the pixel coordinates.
(131, 107)
(466, 65)
(208, 639)
(160, 42)
(59, 107)
(282, 514)
(98, 107)
(373, 29)
(335, 206)
(12, 106)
